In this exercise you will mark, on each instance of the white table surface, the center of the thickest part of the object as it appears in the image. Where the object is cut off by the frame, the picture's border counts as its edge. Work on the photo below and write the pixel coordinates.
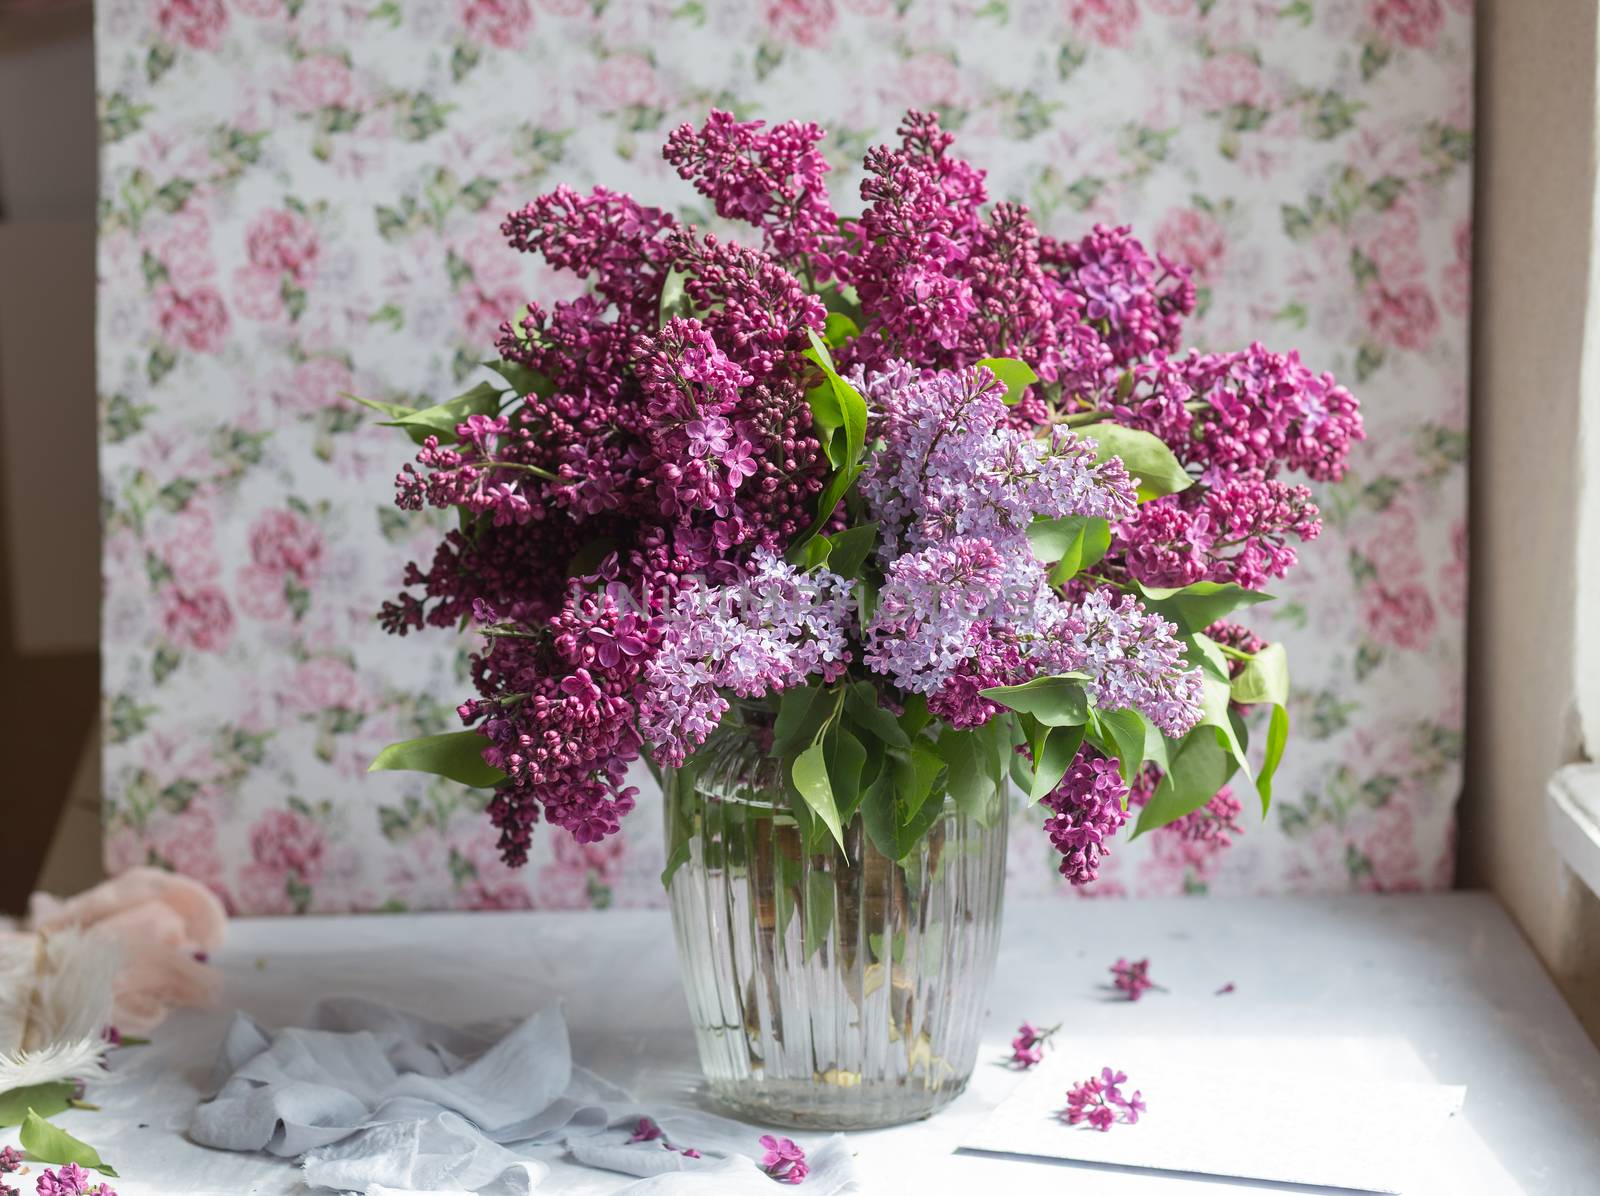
(1438, 987)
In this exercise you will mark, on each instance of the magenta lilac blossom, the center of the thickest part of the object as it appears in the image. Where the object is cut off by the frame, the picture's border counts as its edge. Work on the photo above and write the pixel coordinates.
(783, 1160)
(1027, 1048)
(1098, 1102)
(1132, 979)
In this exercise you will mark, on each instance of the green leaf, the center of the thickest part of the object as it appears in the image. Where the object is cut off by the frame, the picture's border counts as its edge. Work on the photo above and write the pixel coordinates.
(1058, 701)
(810, 774)
(810, 553)
(391, 410)
(44, 1099)
(1147, 457)
(1205, 653)
(916, 715)
(678, 858)
(457, 755)
(1071, 543)
(799, 716)
(970, 779)
(50, 1144)
(522, 380)
(1264, 678)
(441, 420)
(838, 485)
(850, 549)
(1053, 755)
(1201, 766)
(1125, 733)
(846, 759)
(914, 775)
(1016, 376)
(839, 329)
(675, 299)
(1194, 608)
(861, 701)
(1277, 740)
(818, 918)
(838, 412)
(884, 811)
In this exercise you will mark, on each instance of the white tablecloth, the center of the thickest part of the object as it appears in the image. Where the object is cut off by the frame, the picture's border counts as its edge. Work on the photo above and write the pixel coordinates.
(1445, 980)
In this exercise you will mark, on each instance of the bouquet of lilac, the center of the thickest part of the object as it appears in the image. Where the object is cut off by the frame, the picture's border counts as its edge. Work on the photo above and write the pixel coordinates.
(923, 498)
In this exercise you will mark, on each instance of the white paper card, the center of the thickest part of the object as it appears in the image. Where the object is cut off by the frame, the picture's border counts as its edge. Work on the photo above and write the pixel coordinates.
(1331, 1113)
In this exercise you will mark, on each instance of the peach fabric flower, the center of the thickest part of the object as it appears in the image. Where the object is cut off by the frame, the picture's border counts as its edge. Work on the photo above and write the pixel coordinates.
(162, 922)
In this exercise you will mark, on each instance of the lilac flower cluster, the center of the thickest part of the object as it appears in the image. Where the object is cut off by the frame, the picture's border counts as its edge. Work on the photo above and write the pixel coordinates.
(1132, 979)
(1237, 421)
(774, 628)
(783, 1159)
(1087, 809)
(950, 466)
(1027, 1048)
(70, 1180)
(1130, 655)
(625, 508)
(1138, 302)
(1098, 1102)
(772, 178)
(648, 1131)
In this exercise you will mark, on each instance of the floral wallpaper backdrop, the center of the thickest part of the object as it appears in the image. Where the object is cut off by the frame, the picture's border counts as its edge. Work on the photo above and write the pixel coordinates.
(301, 198)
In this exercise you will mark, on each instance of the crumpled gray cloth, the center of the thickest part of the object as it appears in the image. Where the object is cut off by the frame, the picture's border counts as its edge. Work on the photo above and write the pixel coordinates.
(376, 1100)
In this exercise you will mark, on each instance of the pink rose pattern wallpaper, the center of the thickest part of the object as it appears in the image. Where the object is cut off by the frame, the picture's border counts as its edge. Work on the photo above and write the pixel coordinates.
(301, 199)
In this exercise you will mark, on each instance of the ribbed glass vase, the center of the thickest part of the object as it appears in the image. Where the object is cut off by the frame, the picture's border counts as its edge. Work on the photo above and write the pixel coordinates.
(836, 990)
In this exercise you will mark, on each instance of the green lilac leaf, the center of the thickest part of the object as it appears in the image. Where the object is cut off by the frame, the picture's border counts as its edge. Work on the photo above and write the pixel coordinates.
(457, 755)
(51, 1144)
(1051, 761)
(1194, 608)
(846, 759)
(969, 781)
(523, 381)
(839, 328)
(1202, 765)
(675, 299)
(1071, 543)
(1128, 733)
(441, 420)
(1264, 678)
(44, 1099)
(914, 775)
(1146, 456)
(1058, 701)
(851, 548)
(794, 724)
(678, 858)
(916, 715)
(861, 700)
(1016, 376)
(818, 917)
(1277, 740)
(810, 775)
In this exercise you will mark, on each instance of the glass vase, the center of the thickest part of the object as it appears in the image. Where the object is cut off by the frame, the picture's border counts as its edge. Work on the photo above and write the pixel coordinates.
(834, 989)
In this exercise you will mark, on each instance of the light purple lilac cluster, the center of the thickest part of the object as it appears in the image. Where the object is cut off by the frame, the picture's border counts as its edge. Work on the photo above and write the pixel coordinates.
(951, 466)
(773, 628)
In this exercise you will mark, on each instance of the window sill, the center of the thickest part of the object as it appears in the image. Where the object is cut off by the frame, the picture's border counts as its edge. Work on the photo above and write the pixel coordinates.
(1572, 802)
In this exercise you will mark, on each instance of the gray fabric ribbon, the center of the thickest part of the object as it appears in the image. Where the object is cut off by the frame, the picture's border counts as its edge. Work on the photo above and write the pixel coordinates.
(376, 1100)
